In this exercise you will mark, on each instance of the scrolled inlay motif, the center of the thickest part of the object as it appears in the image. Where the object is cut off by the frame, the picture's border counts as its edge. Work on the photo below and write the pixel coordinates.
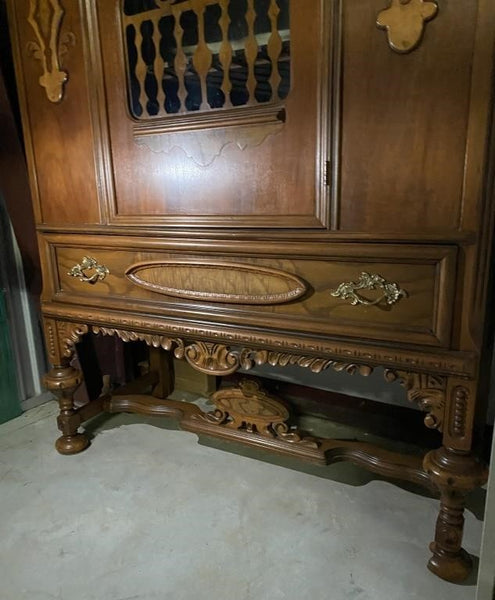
(249, 358)
(390, 291)
(404, 21)
(219, 359)
(427, 391)
(250, 408)
(45, 17)
(69, 334)
(151, 339)
(443, 361)
(215, 359)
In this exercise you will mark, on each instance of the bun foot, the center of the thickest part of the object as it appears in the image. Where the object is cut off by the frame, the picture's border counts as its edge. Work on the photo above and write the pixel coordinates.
(72, 444)
(453, 568)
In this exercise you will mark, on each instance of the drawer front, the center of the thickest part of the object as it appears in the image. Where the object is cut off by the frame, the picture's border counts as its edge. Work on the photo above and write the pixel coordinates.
(367, 291)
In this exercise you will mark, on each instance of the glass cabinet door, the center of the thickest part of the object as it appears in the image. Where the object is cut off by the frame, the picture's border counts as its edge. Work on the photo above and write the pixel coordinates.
(203, 56)
(214, 111)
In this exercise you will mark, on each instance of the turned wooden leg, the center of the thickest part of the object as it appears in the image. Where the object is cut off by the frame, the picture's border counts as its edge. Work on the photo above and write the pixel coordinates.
(63, 381)
(162, 363)
(455, 474)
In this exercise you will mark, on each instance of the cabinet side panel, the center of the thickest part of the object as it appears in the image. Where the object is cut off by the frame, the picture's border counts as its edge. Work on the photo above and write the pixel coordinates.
(58, 133)
(404, 121)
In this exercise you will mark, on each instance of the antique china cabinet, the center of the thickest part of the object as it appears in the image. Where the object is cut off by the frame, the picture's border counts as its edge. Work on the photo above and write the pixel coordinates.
(292, 182)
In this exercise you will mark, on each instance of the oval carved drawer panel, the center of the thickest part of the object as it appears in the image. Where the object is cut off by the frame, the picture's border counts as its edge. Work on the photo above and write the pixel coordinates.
(388, 292)
(232, 283)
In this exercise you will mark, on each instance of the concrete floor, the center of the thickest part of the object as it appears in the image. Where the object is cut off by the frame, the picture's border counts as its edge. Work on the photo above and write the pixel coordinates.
(150, 514)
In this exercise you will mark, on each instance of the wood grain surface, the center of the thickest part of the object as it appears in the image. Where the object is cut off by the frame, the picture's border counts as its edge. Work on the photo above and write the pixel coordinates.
(426, 273)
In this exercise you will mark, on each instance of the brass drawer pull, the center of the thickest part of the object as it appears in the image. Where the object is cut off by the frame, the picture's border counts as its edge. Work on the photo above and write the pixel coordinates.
(392, 293)
(89, 264)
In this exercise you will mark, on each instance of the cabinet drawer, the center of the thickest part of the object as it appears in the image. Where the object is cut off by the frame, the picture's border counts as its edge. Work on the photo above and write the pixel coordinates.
(369, 291)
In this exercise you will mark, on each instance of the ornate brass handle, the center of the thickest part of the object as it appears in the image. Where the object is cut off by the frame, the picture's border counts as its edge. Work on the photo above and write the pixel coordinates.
(89, 264)
(392, 293)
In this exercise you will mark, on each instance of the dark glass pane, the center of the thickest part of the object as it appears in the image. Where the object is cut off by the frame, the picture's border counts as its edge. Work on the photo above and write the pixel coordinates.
(242, 46)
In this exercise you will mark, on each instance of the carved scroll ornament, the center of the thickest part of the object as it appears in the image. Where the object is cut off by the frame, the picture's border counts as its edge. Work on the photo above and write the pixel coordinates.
(61, 338)
(218, 359)
(404, 21)
(427, 391)
(252, 409)
(45, 17)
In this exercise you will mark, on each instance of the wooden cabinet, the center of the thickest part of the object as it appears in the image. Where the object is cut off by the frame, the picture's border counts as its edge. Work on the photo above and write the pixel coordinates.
(243, 182)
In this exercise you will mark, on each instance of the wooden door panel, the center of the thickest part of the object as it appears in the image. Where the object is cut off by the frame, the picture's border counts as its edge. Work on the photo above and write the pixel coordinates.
(248, 165)
(58, 124)
(404, 121)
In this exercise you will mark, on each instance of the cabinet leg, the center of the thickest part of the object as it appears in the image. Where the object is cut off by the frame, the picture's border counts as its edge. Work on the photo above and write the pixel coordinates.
(455, 475)
(63, 381)
(162, 363)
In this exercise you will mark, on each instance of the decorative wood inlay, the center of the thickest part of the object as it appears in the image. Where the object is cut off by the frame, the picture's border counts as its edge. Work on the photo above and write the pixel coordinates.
(404, 22)
(45, 17)
(154, 340)
(51, 340)
(69, 335)
(249, 358)
(214, 359)
(343, 353)
(231, 283)
(460, 398)
(203, 150)
(428, 391)
(218, 359)
(249, 408)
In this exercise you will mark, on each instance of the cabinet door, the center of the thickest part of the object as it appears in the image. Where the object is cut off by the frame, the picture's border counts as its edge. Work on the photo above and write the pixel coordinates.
(413, 96)
(214, 111)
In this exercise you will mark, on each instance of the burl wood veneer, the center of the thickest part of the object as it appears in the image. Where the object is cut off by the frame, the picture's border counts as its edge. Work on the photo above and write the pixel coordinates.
(292, 182)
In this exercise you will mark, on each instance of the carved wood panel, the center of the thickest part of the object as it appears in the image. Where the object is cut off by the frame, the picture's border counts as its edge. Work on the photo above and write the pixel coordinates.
(281, 344)
(427, 391)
